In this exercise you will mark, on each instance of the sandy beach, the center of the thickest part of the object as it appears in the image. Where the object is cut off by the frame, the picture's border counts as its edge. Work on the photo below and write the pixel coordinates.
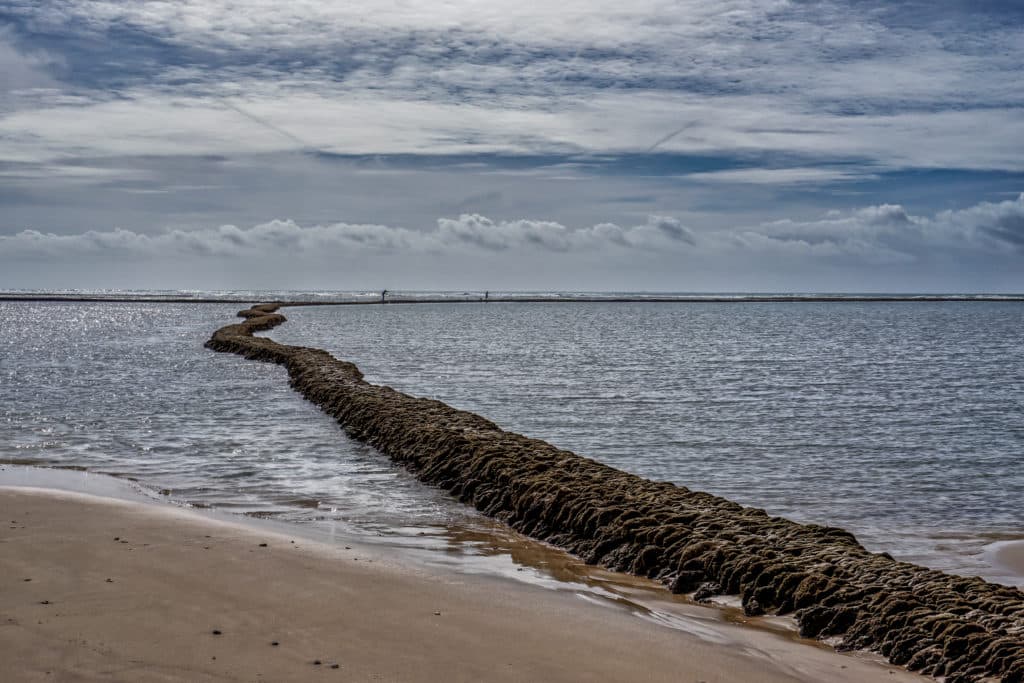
(102, 588)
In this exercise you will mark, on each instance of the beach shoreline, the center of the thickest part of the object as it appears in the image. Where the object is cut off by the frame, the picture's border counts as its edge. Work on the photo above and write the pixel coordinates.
(771, 569)
(176, 576)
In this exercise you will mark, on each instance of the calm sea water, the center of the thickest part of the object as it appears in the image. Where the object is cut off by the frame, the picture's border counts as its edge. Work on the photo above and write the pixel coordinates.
(901, 422)
(128, 389)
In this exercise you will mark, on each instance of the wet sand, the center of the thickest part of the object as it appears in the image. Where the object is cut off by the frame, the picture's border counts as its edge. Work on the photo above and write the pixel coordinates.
(1010, 556)
(101, 588)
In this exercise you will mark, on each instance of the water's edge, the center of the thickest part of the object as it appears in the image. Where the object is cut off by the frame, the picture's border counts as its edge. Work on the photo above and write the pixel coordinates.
(936, 623)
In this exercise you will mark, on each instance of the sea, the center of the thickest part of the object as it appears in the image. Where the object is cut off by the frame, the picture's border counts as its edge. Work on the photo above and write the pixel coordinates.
(899, 420)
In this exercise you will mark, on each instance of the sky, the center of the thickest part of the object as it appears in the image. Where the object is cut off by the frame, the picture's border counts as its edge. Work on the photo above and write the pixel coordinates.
(686, 146)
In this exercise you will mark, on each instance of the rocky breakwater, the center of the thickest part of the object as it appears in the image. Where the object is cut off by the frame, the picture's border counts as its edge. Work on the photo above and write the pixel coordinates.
(962, 629)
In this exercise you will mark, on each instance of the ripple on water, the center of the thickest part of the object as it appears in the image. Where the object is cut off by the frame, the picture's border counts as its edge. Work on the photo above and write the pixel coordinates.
(900, 422)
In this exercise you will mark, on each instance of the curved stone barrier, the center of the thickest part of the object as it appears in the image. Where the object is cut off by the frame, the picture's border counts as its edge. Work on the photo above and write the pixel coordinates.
(964, 629)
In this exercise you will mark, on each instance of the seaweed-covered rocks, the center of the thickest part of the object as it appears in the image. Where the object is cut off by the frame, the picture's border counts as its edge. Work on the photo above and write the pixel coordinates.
(965, 629)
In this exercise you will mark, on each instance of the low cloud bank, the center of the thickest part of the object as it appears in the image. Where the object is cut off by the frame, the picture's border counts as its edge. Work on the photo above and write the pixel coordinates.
(888, 233)
(884, 233)
(467, 232)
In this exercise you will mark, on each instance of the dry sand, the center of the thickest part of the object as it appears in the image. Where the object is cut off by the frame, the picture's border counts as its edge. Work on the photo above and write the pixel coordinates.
(95, 588)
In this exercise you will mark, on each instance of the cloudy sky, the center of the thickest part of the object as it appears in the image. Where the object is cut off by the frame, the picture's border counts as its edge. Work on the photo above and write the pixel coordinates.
(694, 145)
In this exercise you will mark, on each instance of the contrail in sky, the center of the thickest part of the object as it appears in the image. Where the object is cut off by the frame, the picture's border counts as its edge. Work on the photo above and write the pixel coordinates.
(267, 124)
(668, 137)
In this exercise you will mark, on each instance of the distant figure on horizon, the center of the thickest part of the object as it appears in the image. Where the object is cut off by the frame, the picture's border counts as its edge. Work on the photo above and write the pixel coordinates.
(384, 296)
(486, 295)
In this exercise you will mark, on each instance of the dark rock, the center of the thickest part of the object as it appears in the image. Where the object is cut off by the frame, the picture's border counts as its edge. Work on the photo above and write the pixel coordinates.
(684, 582)
(814, 620)
(752, 608)
(842, 620)
(1014, 673)
(706, 591)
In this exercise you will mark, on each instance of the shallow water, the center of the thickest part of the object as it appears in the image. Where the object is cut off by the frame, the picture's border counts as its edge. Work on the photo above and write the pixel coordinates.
(901, 422)
(127, 388)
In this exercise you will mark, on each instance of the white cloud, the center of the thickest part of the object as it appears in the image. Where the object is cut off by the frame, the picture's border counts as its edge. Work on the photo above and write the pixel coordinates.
(372, 123)
(1002, 223)
(515, 77)
(468, 231)
(888, 234)
(21, 70)
(836, 91)
(480, 231)
(875, 234)
(483, 232)
(68, 173)
(779, 176)
(671, 228)
(263, 24)
(877, 248)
